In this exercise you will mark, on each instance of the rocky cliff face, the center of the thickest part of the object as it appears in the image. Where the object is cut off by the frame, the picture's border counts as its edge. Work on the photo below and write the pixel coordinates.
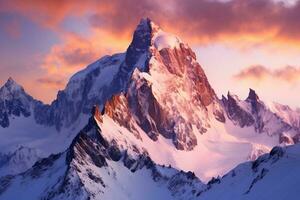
(162, 94)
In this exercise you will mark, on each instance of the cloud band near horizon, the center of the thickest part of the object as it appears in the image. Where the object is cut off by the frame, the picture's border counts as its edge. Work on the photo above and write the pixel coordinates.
(289, 74)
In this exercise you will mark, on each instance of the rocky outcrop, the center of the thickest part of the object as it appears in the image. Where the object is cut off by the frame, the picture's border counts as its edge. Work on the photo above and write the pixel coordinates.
(254, 112)
(235, 112)
(182, 62)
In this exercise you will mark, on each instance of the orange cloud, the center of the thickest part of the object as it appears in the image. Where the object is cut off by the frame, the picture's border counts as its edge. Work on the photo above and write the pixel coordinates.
(289, 74)
(71, 55)
(46, 13)
(255, 21)
(203, 21)
(76, 51)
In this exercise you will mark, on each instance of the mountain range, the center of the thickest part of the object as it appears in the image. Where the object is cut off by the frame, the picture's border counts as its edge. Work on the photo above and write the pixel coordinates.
(146, 124)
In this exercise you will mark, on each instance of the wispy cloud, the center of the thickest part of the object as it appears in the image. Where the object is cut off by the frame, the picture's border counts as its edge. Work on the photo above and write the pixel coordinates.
(51, 82)
(289, 74)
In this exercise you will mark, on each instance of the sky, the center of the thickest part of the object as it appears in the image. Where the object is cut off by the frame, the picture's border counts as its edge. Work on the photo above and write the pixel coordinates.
(240, 44)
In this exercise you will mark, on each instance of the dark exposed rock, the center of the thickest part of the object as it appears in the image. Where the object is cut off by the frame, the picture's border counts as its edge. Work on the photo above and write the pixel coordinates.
(257, 162)
(95, 178)
(83, 146)
(5, 182)
(140, 43)
(4, 122)
(41, 165)
(257, 178)
(97, 114)
(214, 181)
(128, 160)
(114, 152)
(277, 151)
(252, 96)
(236, 113)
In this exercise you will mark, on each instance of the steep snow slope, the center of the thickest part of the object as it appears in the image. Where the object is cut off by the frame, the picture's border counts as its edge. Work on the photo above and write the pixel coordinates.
(93, 168)
(19, 160)
(50, 129)
(271, 176)
(96, 168)
(289, 115)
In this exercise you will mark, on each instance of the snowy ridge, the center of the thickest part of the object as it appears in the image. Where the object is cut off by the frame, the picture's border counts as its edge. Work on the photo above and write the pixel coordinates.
(274, 120)
(93, 168)
(271, 176)
(18, 161)
(14, 102)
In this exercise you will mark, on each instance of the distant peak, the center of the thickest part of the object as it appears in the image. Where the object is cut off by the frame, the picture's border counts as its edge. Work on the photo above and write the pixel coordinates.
(232, 96)
(229, 93)
(252, 96)
(10, 80)
(12, 85)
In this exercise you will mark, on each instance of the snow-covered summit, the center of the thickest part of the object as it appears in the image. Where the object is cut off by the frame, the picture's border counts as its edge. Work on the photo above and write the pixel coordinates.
(12, 84)
(162, 39)
(14, 101)
(11, 88)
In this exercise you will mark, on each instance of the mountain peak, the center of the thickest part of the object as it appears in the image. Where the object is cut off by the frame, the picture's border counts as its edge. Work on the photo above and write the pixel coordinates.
(231, 96)
(10, 80)
(11, 85)
(252, 96)
(148, 25)
(148, 33)
(144, 24)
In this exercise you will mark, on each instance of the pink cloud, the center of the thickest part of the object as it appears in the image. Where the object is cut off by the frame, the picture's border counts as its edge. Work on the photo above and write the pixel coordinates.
(199, 20)
(289, 74)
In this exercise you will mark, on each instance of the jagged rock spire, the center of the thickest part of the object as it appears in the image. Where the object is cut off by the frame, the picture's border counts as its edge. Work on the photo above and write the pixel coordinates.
(252, 96)
(141, 42)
